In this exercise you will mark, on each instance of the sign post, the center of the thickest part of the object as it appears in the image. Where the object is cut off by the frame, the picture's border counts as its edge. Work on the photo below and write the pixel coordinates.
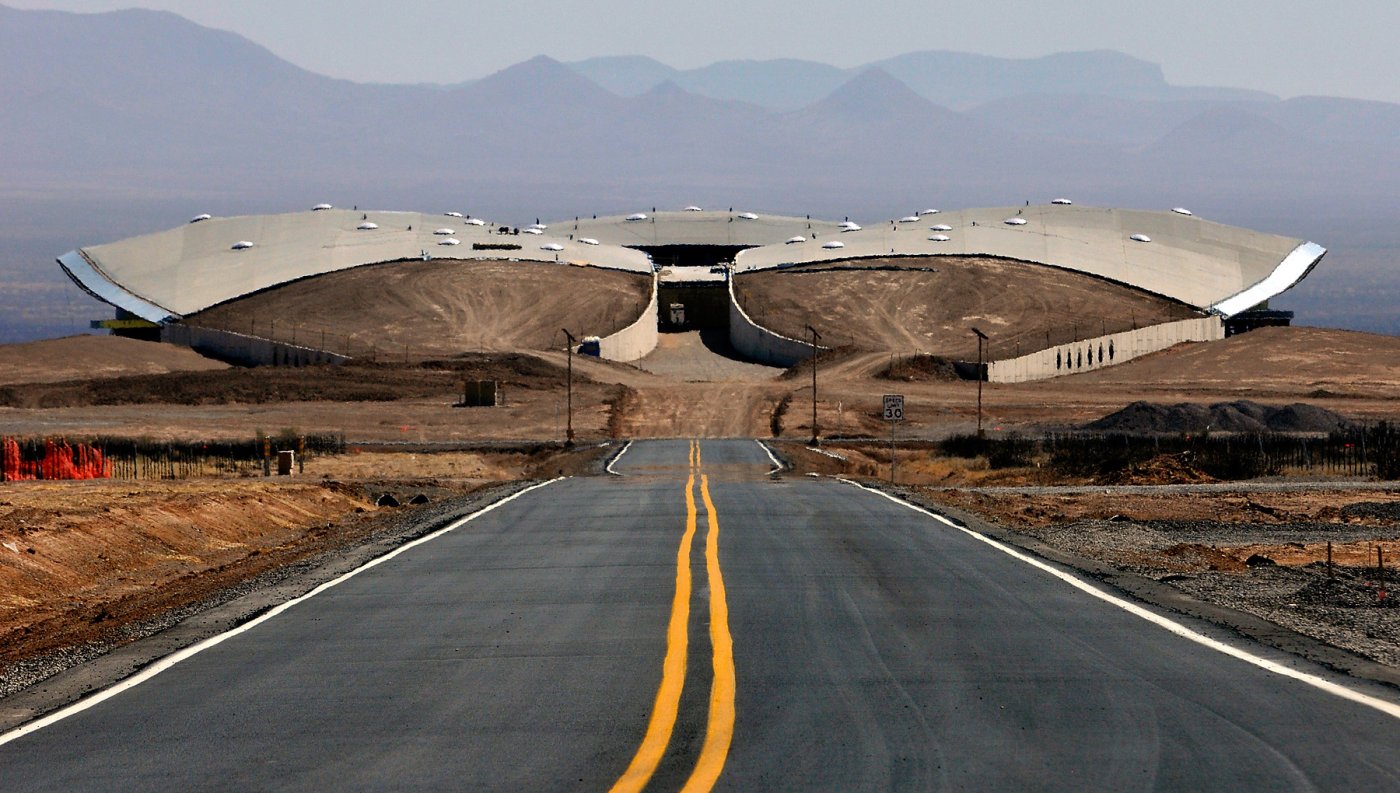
(894, 413)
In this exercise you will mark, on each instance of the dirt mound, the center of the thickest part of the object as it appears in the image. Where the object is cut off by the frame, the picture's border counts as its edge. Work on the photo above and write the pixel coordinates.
(1164, 469)
(85, 357)
(438, 308)
(1238, 416)
(1024, 307)
(1375, 510)
(919, 368)
(1338, 591)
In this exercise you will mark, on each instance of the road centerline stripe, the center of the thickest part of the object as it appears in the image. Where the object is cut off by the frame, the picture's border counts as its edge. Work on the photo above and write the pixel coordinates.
(719, 727)
(666, 707)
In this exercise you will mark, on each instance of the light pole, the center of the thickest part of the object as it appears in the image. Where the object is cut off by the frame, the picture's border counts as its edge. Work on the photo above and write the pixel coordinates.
(569, 433)
(981, 375)
(815, 337)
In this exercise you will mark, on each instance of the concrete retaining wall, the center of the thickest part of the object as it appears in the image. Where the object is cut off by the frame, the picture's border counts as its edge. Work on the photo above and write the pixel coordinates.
(758, 343)
(1101, 351)
(636, 340)
(247, 350)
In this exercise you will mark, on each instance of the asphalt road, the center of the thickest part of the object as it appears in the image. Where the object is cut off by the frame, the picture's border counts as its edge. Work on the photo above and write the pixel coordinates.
(872, 649)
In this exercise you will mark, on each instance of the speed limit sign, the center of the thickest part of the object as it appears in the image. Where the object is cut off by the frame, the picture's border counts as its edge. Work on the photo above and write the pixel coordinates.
(894, 407)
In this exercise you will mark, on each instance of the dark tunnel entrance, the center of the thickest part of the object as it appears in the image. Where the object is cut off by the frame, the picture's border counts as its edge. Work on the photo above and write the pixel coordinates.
(693, 293)
(691, 255)
(693, 306)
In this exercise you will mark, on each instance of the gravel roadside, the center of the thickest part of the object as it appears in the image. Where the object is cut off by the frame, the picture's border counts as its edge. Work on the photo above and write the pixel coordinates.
(1335, 616)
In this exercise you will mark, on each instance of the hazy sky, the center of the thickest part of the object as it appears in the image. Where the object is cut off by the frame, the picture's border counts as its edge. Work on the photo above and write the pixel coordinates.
(1287, 47)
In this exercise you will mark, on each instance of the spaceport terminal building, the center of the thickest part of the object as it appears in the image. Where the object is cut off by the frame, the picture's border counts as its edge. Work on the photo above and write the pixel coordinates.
(694, 258)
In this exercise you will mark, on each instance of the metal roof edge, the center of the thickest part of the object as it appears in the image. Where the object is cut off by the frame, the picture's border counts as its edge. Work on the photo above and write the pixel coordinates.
(1289, 272)
(77, 267)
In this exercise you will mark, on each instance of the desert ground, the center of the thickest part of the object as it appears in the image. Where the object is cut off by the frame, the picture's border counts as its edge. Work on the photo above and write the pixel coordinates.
(86, 566)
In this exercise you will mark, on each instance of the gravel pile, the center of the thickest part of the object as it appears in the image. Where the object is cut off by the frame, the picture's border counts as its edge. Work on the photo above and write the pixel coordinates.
(1379, 510)
(1239, 416)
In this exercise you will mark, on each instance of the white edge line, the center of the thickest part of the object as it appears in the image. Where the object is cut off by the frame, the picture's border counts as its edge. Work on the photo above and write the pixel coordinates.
(613, 461)
(1388, 708)
(195, 649)
(777, 466)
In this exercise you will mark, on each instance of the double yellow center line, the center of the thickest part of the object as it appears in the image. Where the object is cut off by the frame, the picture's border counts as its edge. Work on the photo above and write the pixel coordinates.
(719, 726)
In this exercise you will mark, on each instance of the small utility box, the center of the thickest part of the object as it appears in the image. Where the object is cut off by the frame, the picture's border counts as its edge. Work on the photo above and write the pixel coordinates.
(678, 314)
(480, 393)
(286, 458)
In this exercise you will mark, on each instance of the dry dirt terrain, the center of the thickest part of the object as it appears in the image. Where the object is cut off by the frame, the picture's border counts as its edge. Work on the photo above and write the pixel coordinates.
(1354, 374)
(81, 563)
(439, 308)
(110, 555)
(696, 392)
(1262, 552)
(929, 304)
(91, 357)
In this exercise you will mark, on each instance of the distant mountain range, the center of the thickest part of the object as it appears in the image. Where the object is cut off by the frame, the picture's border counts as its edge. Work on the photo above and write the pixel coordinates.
(954, 79)
(107, 111)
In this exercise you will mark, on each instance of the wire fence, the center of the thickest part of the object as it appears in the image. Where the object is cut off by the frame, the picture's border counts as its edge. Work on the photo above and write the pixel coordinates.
(27, 459)
(1358, 452)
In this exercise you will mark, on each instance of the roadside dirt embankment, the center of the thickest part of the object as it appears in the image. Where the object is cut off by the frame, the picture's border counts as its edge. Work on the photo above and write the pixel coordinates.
(87, 564)
(78, 557)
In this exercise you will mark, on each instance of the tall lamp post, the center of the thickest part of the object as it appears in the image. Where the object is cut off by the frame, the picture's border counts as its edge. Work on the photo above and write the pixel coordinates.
(569, 433)
(981, 375)
(815, 337)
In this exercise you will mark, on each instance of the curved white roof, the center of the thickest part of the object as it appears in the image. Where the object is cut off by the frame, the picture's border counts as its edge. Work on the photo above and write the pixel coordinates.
(172, 273)
(1207, 265)
(689, 227)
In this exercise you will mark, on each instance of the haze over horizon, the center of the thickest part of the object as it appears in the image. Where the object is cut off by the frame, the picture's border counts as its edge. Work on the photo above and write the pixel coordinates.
(1280, 47)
